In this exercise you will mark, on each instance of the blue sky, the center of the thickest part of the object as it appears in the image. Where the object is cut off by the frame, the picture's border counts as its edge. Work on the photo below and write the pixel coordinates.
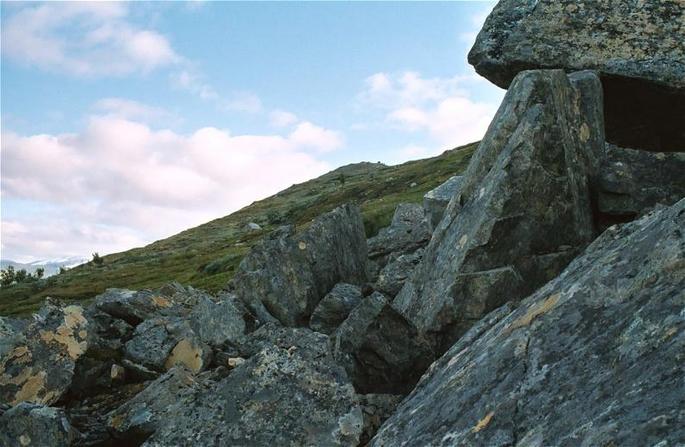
(123, 123)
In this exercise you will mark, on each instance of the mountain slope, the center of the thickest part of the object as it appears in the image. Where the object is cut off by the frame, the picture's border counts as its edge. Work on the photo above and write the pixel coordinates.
(206, 256)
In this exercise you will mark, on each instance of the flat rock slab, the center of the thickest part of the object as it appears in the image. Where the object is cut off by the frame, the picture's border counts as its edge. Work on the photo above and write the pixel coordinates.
(633, 39)
(595, 357)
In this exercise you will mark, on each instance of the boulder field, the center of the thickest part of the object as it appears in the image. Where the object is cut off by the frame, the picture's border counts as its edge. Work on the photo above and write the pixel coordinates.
(536, 299)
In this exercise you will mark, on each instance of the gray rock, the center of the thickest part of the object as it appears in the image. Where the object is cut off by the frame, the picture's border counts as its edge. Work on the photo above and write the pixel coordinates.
(28, 424)
(40, 366)
(276, 397)
(285, 276)
(435, 201)
(135, 307)
(602, 345)
(634, 39)
(408, 231)
(141, 416)
(11, 334)
(335, 307)
(396, 272)
(222, 322)
(634, 181)
(253, 226)
(380, 350)
(376, 408)
(521, 215)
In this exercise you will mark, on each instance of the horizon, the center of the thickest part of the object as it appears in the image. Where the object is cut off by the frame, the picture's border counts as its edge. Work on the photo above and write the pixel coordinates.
(126, 123)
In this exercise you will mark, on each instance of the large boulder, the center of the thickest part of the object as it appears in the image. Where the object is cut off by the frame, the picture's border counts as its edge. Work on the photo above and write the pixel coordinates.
(635, 46)
(396, 272)
(635, 39)
(279, 396)
(220, 322)
(436, 200)
(335, 307)
(408, 231)
(285, 276)
(380, 350)
(34, 425)
(634, 181)
(595, 357)
(40, 366)
(522, 213)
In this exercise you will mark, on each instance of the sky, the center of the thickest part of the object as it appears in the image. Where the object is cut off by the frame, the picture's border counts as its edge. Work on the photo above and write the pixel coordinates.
(124, 123)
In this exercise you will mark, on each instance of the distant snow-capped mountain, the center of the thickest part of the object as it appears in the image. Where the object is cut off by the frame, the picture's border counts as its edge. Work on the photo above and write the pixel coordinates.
(51, 266)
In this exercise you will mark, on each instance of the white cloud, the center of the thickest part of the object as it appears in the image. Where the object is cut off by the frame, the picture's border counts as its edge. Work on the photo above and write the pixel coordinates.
(120, 183)
(244, 102)
(83, 38)
(126, 108)
(439, 107)
(281, 118)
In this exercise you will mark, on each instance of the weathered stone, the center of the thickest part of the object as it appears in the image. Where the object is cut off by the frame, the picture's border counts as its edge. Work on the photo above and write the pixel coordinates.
(436, 200)
(634, 39)
(28, 424)
(523, 210)
(218, 323)
(335, 307)
(635, 46)
(377, 408)
(252, 226)
(285, 276)
(279, 396)
(140, 417)
(396, 272)
(634, 181)
(41, 369)
(602, 345)
(407, 232)
(11, 334)
(380, 350)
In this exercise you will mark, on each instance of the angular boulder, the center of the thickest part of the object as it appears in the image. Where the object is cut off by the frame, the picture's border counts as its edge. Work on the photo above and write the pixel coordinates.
(436, 200)
(408, 231)
(396, 272)
(380, 350)
(220, 322)
(522, 213)
(285, 276)
(602, 345)
(40, 366)
(278, 396)
(634, 181)
(27, 425)
(634, 39)
(335, 307)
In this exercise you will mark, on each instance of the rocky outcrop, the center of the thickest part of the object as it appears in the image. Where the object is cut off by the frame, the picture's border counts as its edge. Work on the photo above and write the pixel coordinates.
(634, 39)
(40, 366)
(435, 201)
(279, 396)
(633, 181)
(27, 425)
(285, 276)
(221, 322)
(335, 307)
(381, 351)
(396, 272)
(408, 231)
(522, 213)
(602, 345)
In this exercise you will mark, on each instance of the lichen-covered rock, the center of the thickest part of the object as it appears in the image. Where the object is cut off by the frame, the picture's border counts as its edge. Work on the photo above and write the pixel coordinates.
(220, 322)
(522, 213)
(11, 334)
(335, 307)
(435, 201)
(40, 366)
(393, 276)
(376, 409)
(602, 345)
(279, 396)
(634, 181)
(34, 425)
(408, 231)
(634, 39)
(380, 350)
(135, 307)
(285, 276)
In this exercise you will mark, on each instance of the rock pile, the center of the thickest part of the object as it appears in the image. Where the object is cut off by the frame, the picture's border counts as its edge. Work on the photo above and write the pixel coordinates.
(538, 299)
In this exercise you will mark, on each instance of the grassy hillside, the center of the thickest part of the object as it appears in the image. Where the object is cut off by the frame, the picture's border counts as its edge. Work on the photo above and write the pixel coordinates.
(206, 256)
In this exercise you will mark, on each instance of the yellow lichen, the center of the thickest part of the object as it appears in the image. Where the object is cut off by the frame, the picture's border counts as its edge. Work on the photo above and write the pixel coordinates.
(534, 311)
(186, 353)
(483, 422)
(584, 133)
(160, 301)
(31, 389)
(302, 245)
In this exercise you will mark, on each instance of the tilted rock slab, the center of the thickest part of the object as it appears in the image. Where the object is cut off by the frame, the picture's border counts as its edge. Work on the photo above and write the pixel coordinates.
(286, 275)
(34, 425)
(279, 396)
(436, 200)
(595, 357)
(522, 213)
(40, 368)
(634, 39)
(334, 308)
(634, 181)
(407, 232)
